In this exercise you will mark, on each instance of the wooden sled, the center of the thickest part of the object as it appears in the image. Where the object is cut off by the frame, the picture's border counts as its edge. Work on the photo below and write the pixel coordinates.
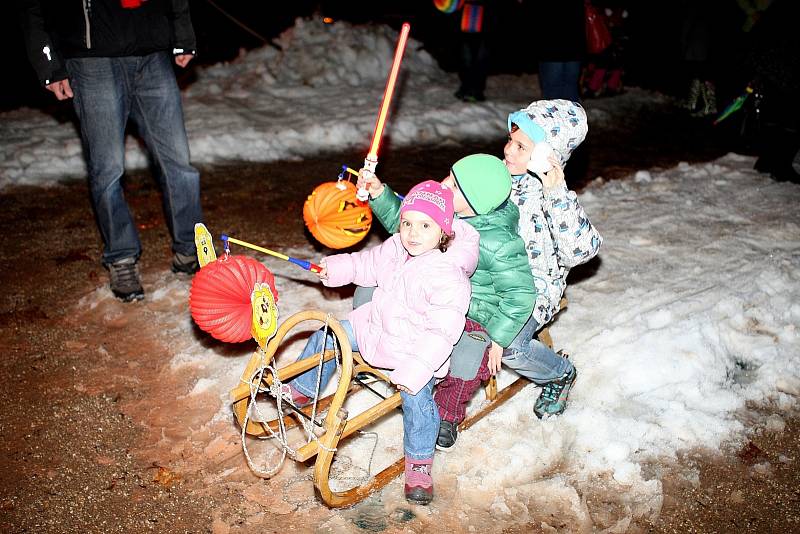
(337, 424)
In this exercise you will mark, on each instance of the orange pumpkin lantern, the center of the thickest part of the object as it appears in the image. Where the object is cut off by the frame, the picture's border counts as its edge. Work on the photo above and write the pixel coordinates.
(335, 217)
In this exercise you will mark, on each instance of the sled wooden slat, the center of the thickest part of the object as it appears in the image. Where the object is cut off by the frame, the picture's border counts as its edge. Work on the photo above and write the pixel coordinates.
(500, 397)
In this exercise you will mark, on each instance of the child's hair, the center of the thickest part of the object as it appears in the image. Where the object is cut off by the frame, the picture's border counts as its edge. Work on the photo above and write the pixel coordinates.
(445, 240)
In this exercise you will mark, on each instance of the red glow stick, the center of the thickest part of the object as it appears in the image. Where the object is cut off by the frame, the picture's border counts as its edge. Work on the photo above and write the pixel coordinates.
(387, 93)
(371, 161)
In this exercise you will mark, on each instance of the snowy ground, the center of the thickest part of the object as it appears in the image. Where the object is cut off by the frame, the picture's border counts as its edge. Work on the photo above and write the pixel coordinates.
(689, 313)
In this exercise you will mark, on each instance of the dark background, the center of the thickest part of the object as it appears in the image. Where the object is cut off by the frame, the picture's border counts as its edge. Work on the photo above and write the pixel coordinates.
(652, 58)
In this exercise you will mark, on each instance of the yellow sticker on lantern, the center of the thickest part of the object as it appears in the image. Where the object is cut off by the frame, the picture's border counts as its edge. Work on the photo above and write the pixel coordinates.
(265, 314)
(205, 245)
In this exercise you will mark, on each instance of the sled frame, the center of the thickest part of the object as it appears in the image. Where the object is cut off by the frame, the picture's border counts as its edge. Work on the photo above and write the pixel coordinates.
(337, 424)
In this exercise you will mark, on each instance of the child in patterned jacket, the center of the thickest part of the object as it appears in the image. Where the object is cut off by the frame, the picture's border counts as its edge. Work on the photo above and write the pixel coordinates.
(556, 230)
(557, 235)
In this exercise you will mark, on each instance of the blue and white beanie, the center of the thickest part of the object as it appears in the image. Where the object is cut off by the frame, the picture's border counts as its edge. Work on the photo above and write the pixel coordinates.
(561, 124)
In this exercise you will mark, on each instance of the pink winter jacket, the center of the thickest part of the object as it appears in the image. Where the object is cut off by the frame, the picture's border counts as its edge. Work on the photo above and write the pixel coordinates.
(417, 311)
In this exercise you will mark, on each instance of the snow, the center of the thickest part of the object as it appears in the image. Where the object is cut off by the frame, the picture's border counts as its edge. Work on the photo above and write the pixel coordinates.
(690, 314)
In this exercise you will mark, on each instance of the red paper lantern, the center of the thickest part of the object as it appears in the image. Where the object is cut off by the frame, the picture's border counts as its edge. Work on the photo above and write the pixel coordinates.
(219, 298)
(335, 216)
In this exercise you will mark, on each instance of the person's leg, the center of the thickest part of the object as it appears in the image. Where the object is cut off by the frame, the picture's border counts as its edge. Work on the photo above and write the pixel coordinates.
(420, 428)
(158, 112)
(102, 103)
(532, 359)
(570, 77)
(549, 76)
(559, 79)
(468, 368)
(537, 362)
(308, 382)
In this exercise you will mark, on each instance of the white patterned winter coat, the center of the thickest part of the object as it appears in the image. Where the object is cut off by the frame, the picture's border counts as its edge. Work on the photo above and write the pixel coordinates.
(556, 230)
(557, 235)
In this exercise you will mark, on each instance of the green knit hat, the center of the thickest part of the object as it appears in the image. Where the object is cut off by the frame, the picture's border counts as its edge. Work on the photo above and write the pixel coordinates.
(484, 180)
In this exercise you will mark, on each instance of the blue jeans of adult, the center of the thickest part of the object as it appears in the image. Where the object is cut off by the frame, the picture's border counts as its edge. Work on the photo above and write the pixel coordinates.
(109, 91)
(559, 79)
(420, 415)
(532, 359)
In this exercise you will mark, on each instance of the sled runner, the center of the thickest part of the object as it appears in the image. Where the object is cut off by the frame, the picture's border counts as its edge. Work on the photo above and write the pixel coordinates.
(260, 377)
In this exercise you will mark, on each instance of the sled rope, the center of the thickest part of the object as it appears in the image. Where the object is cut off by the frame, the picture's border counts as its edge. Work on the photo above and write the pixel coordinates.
(275, 390)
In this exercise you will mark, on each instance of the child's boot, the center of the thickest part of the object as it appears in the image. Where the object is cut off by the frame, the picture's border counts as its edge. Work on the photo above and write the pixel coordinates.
(448, 434)
(553, 398)
(419, 483)
(294, 396)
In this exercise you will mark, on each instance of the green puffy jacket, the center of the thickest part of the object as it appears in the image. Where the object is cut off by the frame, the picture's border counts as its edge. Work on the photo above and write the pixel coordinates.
(503, 293)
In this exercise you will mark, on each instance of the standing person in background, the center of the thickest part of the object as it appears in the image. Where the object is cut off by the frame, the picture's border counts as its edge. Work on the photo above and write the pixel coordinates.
(603, 72)
(114, 59)
(474, 66)
(559, 38)
(697, 40)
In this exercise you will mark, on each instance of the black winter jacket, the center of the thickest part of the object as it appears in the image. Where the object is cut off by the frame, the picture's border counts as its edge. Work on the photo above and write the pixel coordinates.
(59, 29)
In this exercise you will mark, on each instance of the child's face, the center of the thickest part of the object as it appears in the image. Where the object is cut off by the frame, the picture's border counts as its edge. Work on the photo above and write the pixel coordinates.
(517, 152)
(418, 232)
(460, 204)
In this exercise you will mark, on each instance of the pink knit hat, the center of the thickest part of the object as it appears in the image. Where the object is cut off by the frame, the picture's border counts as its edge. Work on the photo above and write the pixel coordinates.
(434, 200)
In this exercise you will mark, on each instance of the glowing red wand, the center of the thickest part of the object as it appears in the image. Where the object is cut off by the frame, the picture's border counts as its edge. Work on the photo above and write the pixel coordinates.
(371, 161)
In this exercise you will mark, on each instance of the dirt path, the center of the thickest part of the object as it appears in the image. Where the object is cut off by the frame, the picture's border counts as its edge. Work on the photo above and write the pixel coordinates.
(99, 431)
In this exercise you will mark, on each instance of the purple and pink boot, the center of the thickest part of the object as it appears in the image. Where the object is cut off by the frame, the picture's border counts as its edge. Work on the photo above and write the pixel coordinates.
(419, 483)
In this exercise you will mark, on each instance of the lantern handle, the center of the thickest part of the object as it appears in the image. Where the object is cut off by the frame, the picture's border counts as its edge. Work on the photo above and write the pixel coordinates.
(307, 265)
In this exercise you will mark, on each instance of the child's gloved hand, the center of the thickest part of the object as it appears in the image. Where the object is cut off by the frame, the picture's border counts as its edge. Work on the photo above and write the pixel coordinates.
(369, 181)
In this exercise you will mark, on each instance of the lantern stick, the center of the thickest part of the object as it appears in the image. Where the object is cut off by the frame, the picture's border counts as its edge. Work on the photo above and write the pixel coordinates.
(345, 168)
(371, 161)
(387, 93)
(307, 265)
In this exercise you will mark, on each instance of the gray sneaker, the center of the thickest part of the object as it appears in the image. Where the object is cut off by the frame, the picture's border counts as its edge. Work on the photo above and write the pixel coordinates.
(185, 263)
(126, 283)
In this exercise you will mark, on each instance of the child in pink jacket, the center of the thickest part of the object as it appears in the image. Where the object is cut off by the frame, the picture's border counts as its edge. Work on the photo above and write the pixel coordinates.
(416, 315)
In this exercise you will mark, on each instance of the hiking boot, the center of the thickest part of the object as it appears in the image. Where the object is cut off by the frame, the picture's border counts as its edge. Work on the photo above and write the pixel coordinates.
(126, 283)
(553, 399)
(448, 433)
(419, 482)
(185, 263)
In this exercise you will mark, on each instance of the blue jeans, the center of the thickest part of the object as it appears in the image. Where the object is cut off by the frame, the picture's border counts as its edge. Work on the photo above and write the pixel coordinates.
(108, 91)
(559, 79)
(420, 415)
(533, 359)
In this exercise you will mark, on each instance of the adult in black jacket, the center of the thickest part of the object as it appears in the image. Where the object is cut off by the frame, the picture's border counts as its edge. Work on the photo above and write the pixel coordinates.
(114, 59)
